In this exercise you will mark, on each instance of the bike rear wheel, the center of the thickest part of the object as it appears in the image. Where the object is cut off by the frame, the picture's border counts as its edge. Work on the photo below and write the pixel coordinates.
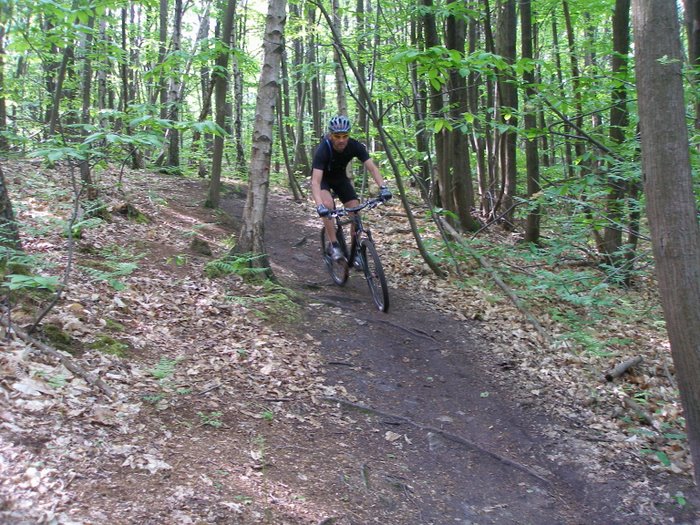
(374, 273)
(337, 269)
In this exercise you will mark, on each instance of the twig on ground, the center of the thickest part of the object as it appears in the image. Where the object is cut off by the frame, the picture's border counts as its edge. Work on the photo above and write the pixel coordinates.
(64, 359)
(447, 435)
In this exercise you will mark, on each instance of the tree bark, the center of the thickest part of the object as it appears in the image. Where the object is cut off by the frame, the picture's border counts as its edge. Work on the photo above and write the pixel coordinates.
(436, 108)
(341, 99)
(174, 86)
(162, 47)
(85, 170)
(220, 90)
(508, 103)
(9, 232)
(459, 163)
(5, 12)
(671, 207)
(252, 235)
(619, 119)
(532, 160)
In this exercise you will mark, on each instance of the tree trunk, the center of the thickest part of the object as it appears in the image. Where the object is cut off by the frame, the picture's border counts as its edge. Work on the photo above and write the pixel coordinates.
(671, 207)
(568, 154)
(508, 94)
(128, 84)
(420, 110)
(5, 12)
(85, 170)
(363, 40)
(619, 119)
(9, 232)
(162, 47)
(316, 97)
(532, 160)
(341, 99)
(478, 142)
(173, 134)
(461, 192)
(220, 90)
(436, 108)
(252, 236)
(238, 93)
(58, 90)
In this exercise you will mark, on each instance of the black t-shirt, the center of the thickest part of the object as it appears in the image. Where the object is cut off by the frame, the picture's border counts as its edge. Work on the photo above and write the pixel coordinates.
(333, 164)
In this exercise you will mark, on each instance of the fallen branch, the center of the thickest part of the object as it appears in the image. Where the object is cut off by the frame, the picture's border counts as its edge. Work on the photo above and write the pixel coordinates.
(503, 286)
(639, 411)
(447, 435)
(65, 360)
(622, 368)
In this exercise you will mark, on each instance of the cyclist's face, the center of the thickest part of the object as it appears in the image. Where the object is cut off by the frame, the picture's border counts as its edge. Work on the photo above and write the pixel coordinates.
(339, 140)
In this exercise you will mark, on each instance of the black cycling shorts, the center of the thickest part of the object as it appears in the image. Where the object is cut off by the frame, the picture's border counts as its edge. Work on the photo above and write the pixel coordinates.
(342, 187)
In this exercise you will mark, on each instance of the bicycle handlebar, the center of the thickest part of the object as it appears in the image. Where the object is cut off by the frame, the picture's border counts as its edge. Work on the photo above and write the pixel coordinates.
(370, 204)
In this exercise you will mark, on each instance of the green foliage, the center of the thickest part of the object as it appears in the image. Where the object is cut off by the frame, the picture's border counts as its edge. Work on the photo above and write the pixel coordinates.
(54, 380)
(108, 345)
(80, 226)
(31, 282)
(164, 369)
(58, 338)
(113, 266)
(212, 419)
(234, 264)
(275, 303)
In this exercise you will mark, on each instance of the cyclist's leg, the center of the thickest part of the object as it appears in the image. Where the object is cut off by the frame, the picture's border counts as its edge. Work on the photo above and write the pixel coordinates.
(348, 196)
(328, 202)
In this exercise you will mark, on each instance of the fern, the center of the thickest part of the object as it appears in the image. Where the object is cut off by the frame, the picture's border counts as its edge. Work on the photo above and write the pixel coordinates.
(240, 265)
(112, 273)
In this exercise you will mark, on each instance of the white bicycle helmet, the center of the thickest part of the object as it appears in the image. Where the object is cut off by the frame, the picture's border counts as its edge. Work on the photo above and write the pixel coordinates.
(339, 124)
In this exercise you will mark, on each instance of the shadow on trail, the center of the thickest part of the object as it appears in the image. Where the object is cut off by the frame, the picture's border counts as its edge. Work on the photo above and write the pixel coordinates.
(436, 439)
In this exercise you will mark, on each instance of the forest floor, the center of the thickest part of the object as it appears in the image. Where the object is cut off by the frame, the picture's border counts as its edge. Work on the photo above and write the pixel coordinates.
(235, 402)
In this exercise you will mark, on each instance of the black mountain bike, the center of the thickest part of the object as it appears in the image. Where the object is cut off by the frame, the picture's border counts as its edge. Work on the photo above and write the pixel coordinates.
(361, 254)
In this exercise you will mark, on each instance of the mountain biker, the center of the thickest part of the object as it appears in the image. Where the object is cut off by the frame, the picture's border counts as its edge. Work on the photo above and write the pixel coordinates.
(328, 173)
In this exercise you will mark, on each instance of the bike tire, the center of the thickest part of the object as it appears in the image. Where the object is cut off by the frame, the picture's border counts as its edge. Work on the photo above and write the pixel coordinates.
(338, 270)
(374, 273)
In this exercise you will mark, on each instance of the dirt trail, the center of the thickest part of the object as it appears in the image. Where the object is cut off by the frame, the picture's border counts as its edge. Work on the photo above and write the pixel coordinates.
(436, 429)
(352, 417)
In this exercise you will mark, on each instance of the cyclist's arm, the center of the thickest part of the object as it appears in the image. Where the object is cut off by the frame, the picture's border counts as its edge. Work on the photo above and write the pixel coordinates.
(316, 176)
(374, 171)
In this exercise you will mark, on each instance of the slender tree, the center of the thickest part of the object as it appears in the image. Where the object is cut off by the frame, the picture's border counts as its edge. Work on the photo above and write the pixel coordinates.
(5, 14)
(86, 49)
(461, 192)
(619, 119)
(9, 232)
(341, 98)
(508, 102)
(252, 235)
(532, 157)
(221, 75)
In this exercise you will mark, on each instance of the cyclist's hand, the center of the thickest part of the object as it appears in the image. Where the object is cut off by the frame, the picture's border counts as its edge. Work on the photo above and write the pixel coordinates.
(322, 210)
(384, 193)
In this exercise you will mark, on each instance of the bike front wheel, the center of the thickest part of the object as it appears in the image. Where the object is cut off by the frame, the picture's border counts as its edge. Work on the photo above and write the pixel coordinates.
(337, 269)
(374, 273)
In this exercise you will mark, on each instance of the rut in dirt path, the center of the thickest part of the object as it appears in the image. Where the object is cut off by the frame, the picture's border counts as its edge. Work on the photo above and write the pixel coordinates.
(475, 455)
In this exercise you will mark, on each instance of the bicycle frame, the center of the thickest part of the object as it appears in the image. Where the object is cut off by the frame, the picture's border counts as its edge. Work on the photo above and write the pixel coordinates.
(361, 249)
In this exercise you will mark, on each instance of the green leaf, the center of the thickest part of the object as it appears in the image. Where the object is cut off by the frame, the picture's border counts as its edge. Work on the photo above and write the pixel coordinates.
(25, 282)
